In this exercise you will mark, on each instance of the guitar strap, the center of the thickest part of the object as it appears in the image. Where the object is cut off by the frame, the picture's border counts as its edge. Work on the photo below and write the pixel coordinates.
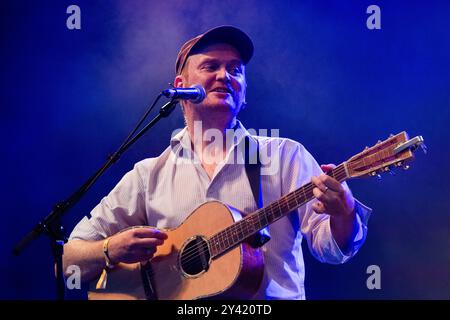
(253, 171)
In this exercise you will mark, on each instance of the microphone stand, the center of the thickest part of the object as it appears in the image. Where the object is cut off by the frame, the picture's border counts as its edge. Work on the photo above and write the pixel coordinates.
(51, 224)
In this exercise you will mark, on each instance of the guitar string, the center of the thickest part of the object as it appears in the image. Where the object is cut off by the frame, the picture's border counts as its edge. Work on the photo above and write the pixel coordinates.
(193, 252)
(228, 232)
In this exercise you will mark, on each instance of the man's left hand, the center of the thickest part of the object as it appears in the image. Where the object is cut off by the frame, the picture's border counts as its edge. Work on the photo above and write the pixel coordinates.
(334, 198)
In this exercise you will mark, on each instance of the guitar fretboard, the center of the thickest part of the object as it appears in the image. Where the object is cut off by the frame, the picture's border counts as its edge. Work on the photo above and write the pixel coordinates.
(258, 220)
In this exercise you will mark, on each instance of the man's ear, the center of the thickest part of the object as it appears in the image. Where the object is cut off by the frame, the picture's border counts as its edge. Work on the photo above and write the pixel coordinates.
(178, 82)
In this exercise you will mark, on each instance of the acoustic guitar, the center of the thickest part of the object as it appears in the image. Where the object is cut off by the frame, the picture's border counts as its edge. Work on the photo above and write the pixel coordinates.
(208, 256)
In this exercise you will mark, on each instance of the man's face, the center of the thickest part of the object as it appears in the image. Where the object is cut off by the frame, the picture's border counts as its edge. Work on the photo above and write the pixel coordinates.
(219, 69)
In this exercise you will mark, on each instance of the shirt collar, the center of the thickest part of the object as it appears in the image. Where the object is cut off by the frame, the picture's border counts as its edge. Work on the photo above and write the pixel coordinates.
(182, 138)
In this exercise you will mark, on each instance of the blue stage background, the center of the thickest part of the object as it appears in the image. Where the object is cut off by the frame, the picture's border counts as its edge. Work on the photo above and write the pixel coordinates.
(69, 97)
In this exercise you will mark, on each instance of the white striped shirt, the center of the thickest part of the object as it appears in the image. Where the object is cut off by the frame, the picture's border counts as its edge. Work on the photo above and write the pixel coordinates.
(162, 193)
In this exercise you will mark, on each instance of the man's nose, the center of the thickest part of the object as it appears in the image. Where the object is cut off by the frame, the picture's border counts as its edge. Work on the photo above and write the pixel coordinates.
(223, 75)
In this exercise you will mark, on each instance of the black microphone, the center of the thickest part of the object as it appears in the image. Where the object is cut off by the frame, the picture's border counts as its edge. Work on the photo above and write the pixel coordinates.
(196, 93)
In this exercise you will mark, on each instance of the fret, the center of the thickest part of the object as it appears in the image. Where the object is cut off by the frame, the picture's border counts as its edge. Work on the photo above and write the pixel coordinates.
(243, 230)
(216, 247)
(256, 220)
(287, 203)
(263, 219)
(234, 231)
(294, 202)
(290, 204)
(285, 206)
(273, 209)
(279, 209)
(268, 212)
(212, 245)
(251, 224)
(304, 194)
(240, 231)
(227, 238)
(222, 241)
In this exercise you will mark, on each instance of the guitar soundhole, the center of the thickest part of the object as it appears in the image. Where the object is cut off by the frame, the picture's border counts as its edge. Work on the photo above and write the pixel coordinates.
(194, 257)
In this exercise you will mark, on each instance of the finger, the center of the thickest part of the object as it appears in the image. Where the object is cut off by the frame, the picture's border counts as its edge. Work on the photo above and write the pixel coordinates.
(319, 184)
(331, 183)
(320, 195)
(318, 207)
(149, 232)
(149, 242)
(327, 167)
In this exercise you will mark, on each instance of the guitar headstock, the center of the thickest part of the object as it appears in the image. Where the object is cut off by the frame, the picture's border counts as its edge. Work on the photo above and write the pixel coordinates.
(392, 152)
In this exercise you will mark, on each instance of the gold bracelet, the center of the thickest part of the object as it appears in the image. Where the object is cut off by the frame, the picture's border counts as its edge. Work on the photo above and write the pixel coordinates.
(109, 264)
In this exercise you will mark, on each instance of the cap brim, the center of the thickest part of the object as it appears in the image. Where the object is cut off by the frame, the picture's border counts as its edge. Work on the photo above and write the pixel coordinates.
(227, 34)
(223, 34)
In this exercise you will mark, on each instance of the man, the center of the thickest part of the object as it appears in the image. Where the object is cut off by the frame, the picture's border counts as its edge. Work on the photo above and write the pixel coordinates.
(161, 192)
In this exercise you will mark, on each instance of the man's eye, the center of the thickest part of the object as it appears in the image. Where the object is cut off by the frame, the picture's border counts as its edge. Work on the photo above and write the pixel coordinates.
(210, 67)
(235, 70)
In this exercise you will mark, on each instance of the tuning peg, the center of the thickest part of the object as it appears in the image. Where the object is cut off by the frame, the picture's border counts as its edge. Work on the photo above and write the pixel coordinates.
(405, 167)
(375, 174)
(386, 169)
(379, 141)
(399, 164)
(366, 148)
(391, 169)
(391, 135)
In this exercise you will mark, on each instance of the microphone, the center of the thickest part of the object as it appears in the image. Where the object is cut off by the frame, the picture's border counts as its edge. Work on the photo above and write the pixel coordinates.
(196, 93)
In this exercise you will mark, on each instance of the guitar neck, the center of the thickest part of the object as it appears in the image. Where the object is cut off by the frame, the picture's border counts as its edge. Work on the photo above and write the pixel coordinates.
(258, 220)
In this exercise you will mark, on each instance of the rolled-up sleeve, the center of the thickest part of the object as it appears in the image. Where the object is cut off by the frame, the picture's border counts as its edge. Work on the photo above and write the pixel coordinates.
(124, 206)
(316, 227)
(317, 231)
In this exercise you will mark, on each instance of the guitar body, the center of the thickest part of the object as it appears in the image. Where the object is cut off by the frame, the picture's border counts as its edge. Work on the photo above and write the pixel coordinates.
(173, 273)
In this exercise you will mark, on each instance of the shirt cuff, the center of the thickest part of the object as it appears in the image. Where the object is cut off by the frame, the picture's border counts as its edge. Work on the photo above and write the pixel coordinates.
(362, 217)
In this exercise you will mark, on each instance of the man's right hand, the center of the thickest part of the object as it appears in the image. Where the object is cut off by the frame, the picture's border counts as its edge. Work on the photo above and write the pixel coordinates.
(135, 245)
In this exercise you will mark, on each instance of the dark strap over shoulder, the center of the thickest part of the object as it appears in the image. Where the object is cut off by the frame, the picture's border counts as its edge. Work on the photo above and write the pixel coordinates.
(253, 170)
